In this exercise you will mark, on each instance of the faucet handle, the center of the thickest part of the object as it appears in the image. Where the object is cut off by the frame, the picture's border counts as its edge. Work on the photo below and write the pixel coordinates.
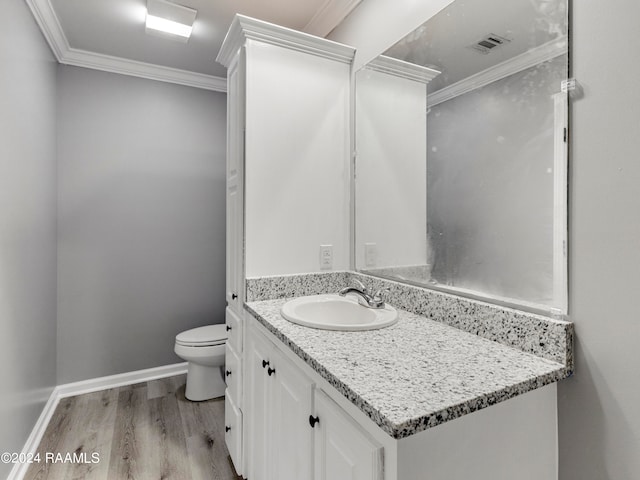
(378, 293)
(361, 285)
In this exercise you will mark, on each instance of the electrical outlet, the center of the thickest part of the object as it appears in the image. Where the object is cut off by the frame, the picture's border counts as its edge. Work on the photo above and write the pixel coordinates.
(326, 257)
(370, 254)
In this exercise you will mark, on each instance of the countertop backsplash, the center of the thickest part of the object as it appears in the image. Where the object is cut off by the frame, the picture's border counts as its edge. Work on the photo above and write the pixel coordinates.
(542, 336)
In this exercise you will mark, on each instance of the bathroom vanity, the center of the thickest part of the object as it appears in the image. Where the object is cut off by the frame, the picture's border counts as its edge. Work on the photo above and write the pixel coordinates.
(420, 399)
(456, 389)
(407, 401)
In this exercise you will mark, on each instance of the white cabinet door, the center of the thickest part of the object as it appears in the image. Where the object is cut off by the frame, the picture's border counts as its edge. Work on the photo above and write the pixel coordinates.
(233, 245)
(290, 409)
(233, 432)
(278, 403)
(258, 356)
(342, 449)
(235, 169)
(283, 437)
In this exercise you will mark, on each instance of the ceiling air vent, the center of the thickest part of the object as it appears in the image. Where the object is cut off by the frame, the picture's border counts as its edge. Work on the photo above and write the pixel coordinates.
(489, 43)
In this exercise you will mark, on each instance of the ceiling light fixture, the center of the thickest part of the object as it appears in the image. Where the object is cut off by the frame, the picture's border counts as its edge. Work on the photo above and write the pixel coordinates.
(166, 19)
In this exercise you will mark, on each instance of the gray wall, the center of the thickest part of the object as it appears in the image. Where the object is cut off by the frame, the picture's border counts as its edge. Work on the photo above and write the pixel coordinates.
(598, 408)
(141, 219)
(599, 423)
(27, 225)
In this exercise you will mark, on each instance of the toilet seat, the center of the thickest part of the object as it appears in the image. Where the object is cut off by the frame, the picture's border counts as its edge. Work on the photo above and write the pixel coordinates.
(206, 336)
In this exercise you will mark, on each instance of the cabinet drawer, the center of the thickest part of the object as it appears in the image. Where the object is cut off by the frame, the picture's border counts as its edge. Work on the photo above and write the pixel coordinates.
(233, 373)
(233, 431)
(234, 330)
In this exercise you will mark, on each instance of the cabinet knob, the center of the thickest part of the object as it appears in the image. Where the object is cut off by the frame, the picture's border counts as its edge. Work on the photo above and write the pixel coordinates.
(226, 429)
(271, 371)
(228, 328)
(228, 372)
(264, 363)
(233, 296)
(313, 420)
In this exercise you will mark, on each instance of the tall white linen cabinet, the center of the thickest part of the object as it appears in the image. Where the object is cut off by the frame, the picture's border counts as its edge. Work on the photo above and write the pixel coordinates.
(288, 103)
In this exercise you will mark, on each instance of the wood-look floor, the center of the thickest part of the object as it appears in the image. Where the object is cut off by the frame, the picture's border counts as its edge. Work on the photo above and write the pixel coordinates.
(143, 431)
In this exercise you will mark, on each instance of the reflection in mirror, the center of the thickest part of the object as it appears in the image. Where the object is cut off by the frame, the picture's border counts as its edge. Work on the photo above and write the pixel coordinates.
(461, 154)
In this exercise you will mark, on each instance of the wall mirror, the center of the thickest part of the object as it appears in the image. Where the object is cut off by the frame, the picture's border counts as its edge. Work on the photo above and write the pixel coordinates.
(460, 171)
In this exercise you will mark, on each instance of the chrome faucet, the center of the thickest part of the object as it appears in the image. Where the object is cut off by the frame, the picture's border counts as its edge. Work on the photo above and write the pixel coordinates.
(365, 298)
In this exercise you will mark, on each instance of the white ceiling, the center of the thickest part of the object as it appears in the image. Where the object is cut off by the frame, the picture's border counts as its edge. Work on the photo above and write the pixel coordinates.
(110, 34)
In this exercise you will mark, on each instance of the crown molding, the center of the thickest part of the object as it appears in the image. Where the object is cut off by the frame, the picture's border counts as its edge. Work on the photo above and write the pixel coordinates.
(516, 64)
(50, 26)
(329, 16)
(108, 63)
(48, 22)
(402, 69)
(245, 28)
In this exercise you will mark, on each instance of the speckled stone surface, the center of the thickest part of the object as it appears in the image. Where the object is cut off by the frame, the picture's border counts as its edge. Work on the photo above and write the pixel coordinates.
(265, 288)
(542, 336)
(415, 374)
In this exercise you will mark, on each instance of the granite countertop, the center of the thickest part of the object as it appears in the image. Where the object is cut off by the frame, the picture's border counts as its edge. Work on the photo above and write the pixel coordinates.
(415, 374)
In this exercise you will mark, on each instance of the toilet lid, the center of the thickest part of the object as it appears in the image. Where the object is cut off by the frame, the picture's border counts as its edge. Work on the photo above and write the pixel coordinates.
(203, 336)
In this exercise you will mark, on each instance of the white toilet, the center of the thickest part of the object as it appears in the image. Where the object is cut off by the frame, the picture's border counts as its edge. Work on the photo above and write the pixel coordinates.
(204, 349)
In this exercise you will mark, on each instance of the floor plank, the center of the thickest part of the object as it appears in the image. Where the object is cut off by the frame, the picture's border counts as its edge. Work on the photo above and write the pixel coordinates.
(142, 431)
(170, 436)
(54, 434)
(203, 424)
(132, 454)
(164, 386)
(91, 432)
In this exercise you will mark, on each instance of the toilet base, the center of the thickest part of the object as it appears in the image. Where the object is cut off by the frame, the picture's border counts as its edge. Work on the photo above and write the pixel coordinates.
(204, 383)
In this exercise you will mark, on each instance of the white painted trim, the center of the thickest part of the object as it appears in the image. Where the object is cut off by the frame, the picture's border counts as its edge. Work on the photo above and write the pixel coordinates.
(560, 201)
(402, 69)
(108, 63)
(50, 26)
(48, 22)
(20, 469)
(246, 28)
(87, 386)
(516, 64)
(120, 380)
(329, 16)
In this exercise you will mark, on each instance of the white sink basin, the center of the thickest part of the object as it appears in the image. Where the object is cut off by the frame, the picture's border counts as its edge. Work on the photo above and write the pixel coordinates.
(333, 312)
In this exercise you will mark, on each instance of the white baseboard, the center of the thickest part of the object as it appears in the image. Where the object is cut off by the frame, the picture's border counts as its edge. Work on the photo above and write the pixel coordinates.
(19, 469)
(79, 388)
(120, 380)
